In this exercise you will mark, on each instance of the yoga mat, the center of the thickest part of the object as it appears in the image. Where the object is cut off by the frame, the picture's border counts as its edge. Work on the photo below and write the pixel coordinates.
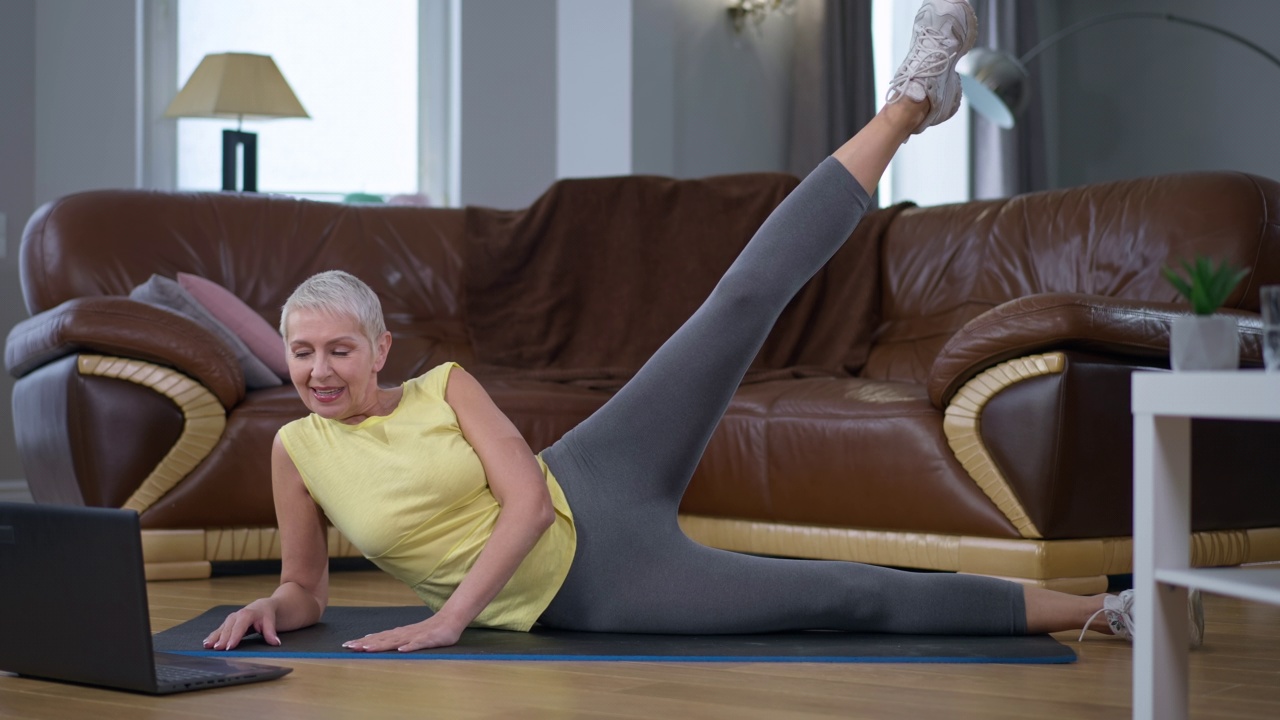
(339, 624)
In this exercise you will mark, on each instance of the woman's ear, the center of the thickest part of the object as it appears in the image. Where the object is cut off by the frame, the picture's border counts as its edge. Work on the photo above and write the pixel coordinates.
(381, 351)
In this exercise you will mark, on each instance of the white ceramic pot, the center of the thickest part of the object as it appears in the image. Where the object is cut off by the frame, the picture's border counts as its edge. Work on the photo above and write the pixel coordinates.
(1204, 342)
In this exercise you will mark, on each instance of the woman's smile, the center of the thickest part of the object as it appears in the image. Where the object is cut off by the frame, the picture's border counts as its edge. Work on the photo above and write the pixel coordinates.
(326, 395)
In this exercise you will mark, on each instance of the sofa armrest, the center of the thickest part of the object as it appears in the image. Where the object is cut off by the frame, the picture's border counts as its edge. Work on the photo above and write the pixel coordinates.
(1128, 329)
(127, 328)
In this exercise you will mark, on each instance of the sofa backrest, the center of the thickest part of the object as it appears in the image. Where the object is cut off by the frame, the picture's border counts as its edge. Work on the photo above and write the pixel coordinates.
(259, 247)
(940, 267)
(943, 266)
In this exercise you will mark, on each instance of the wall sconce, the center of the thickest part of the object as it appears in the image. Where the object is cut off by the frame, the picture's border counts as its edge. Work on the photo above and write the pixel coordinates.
(742, 12)
(237, 85)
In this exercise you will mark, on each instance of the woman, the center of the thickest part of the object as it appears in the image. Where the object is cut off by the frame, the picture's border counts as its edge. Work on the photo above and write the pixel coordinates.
(435, 485)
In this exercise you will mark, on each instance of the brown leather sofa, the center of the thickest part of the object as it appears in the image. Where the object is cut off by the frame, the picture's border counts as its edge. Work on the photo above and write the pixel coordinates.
(951, 393)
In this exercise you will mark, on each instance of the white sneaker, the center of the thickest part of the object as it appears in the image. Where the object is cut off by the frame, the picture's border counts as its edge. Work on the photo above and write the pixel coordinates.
(1119, 613)
(944, 31)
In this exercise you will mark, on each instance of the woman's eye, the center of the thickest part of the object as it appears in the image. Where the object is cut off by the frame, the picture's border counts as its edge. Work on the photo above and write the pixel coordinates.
(341, 353)
(301, 354)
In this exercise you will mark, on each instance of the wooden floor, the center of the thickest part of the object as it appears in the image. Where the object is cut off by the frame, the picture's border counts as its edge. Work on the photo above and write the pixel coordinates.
(1236, 675)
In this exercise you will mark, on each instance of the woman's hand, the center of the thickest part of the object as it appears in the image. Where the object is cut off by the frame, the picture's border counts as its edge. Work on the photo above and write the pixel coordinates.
(259, 615)
(433, 632)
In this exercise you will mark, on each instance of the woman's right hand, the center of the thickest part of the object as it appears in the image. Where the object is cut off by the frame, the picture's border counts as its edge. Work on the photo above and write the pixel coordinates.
(259, 616)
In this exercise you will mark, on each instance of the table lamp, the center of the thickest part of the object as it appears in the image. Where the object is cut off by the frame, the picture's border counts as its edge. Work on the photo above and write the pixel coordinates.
(237, 85)
(996, 84)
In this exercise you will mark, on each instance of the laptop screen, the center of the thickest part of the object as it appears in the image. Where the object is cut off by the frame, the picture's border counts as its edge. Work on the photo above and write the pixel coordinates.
(73, 598)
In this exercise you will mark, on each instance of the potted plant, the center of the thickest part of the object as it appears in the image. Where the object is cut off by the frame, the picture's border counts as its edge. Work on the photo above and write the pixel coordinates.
(1205, 340)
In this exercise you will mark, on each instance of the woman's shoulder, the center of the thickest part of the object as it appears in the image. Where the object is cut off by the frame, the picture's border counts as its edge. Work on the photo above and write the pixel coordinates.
(298, 430)
(433, 382)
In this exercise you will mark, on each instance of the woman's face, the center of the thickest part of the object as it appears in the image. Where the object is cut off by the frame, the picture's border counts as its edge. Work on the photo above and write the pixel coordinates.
(333, 366)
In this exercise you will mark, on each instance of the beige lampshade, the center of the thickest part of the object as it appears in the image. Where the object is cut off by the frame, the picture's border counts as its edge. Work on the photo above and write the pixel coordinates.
(236, 85)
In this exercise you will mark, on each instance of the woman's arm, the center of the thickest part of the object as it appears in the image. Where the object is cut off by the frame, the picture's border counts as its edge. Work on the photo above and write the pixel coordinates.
(304, 554)
(517, 482)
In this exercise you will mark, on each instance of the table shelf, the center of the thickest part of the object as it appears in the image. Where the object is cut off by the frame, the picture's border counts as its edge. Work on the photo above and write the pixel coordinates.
(1259, 584)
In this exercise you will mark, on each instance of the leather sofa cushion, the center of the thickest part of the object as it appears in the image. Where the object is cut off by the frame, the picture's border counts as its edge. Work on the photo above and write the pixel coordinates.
(262, 340)
(847, 452)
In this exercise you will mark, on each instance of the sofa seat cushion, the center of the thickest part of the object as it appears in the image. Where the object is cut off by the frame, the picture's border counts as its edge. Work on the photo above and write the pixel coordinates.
(844, 452)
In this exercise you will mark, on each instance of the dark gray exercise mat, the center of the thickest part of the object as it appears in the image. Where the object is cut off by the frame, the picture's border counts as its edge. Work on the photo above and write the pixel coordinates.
(340, 624)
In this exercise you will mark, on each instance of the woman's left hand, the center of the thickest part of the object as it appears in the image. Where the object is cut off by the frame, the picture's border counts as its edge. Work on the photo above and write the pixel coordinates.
(433, 632)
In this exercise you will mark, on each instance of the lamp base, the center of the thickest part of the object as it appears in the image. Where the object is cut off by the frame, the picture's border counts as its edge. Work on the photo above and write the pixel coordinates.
(231, 141)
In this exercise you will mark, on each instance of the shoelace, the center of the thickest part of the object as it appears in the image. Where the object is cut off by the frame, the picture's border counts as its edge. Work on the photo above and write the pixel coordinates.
(1117, 618)
(930, 53)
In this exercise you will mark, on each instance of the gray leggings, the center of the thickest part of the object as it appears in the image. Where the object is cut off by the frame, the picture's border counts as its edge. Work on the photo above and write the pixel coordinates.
(625, 469)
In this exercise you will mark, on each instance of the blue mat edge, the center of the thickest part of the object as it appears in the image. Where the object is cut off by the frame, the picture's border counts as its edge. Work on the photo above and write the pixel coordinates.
(284, 655)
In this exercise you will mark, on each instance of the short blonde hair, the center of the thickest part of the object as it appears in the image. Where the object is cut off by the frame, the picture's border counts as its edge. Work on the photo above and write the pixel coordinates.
(338, 293)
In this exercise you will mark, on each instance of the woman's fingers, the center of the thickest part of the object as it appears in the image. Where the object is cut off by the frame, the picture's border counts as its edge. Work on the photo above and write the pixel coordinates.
(268, 629)
(237, 625)
(427, 634)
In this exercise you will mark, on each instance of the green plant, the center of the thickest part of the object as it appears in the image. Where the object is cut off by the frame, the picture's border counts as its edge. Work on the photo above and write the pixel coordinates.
(1205, 285)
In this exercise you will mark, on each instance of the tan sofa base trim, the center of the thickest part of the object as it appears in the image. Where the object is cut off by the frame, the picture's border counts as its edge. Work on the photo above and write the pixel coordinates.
(204, 419)
(189, 554)
(1078, 566)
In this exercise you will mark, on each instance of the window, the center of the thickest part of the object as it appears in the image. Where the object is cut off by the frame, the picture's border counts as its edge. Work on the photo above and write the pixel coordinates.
(932, 168)
(354, 67)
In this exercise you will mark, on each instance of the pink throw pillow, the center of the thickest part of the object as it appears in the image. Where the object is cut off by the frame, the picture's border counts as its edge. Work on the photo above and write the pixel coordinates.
(257, 334)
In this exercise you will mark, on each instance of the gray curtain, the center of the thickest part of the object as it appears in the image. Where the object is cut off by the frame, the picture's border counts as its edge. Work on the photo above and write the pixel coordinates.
(1009, 162)
(833, 88)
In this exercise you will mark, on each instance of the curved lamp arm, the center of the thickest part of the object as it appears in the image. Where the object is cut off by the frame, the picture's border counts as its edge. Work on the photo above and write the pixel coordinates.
(996, 83)
(1101, 19)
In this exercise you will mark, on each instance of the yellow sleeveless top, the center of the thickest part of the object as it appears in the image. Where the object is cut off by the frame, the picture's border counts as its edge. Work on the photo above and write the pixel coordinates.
(409, 492)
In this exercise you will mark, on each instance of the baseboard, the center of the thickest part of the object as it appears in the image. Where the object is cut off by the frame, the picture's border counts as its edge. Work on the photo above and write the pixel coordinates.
(14, 491)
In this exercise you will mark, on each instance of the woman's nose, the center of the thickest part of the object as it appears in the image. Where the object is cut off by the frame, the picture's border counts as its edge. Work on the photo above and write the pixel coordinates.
(319, 367)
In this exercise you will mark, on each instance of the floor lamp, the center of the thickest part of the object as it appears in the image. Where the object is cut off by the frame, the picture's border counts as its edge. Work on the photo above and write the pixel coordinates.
(237, 85)
(996, 83)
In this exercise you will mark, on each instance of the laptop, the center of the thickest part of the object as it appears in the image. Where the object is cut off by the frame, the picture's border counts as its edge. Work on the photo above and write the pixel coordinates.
(73, 605)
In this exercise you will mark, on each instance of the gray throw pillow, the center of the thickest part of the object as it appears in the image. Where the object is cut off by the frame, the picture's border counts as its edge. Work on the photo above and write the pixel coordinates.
(167, 293)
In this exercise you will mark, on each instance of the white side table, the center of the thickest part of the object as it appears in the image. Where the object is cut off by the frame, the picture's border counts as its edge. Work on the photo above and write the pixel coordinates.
(1163, 405)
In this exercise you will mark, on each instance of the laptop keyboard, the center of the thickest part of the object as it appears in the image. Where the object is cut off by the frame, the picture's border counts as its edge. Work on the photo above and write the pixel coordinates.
(178, 674)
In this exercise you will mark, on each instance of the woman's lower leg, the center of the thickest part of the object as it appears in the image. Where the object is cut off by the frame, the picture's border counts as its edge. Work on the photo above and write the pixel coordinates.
(867, 154)
(1050, 611)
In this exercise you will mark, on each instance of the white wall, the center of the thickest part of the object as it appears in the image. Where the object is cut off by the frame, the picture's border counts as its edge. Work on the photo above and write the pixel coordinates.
(1144, 97)
(575, 88)
(594, 79)
(667, 87)
(507, 130)
(87, 97)
(731, 94)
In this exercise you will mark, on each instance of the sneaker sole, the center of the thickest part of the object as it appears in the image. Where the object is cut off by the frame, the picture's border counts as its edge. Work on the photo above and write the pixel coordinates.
(971, 21)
